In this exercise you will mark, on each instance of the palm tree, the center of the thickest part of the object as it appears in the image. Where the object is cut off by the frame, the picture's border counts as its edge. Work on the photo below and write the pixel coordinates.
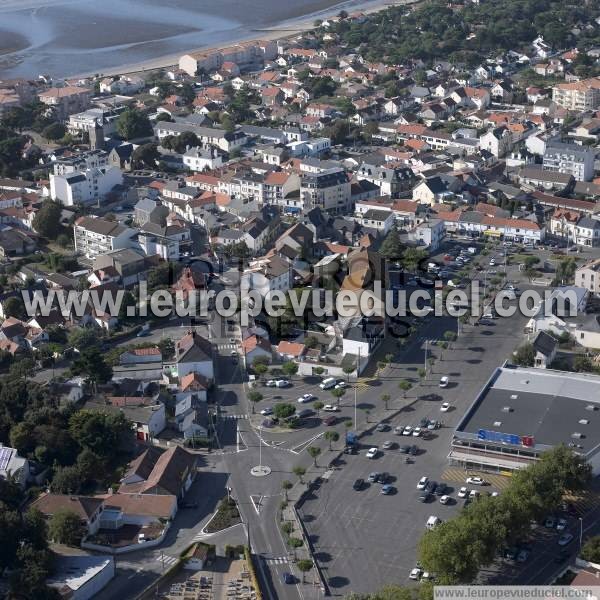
(385, 399)
(314, 452)
(286, 486)
(299, 472)
(332, 436)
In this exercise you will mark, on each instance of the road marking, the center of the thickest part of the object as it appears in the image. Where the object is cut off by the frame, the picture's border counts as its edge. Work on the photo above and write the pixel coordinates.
(300, 447)
(280, 560)
(256, 501)
(168, 560)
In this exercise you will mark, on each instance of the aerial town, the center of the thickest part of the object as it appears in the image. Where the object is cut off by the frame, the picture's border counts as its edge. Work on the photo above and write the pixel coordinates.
(426, 149)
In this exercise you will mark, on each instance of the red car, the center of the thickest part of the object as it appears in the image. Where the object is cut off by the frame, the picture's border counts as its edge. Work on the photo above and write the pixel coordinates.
(330, 420)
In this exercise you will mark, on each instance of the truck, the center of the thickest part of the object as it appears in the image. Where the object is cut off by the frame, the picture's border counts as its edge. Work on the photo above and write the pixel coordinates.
(351, 442)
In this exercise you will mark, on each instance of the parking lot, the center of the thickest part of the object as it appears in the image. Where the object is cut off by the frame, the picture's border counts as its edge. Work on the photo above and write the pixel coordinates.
(364, 539)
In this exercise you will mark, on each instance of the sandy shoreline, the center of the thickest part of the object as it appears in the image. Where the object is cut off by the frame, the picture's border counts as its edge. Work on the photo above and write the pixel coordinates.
(280, 31)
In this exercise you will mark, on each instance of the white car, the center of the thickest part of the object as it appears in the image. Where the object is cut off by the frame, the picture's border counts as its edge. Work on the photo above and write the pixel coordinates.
(331, 408)
(565, 539)
(444, 499)
(306, 398)
(492, 263)
(473, 494)
(407, 430)
(475, 481)
(398, 430)
(282, 383)
(444, 381)
(463, 492)
(422, 483)
(416, 574)
(372, 452)
(561, 525)
(445, 407)
(340, 385)
(416, 431)
(271, 383)
(266, 411)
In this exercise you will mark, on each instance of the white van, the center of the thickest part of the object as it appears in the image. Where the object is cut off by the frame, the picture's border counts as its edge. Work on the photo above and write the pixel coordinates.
(433, 522)
(328, 383)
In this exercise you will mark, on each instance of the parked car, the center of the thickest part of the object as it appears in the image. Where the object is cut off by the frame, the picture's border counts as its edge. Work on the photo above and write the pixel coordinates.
(266, 411)
(475, 481)
(407, 430)
(372, 478)
(387, 489)
(444, 499)
(415, 574)
(561, 525)
(282, 383)
(398, 430)
(331, 408)
(463, 492)
(565, 539)
(372, 452)
(306, 398)
(288, 578)
(444, 381)
(388, 444)
(330, 421)
(441, 488)
(340, 385)
(416, 432)
(271, 383)
(382, 427)
(414, 450)
(358, 484)
(422, 483)
(550, 522)
(445, 407)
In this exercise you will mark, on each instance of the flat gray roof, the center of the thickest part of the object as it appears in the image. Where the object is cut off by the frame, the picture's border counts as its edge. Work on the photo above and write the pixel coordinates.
(549, 405)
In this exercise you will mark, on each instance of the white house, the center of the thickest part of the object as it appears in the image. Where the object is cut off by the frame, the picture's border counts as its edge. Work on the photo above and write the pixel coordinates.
(84, 187)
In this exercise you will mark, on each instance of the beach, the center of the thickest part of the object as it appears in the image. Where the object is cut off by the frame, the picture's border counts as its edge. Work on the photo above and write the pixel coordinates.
(68, 38)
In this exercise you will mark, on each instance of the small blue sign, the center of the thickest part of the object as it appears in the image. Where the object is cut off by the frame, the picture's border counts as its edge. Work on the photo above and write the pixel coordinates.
(496, 436)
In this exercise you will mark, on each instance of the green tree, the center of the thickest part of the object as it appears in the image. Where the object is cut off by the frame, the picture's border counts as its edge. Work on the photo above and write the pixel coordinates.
(146, 155)
(385, 398)
(299, 472)
(54, 131)
(591, 549)
(284, 410)
(289, 368)
(405, 385)
(66, 480)
(91, 364)
(254, 398)
(65, 527)
(331, 437)
(47, 220)
(337, 394)
(412, 257)
(133, 124)
(314, 452)
(127, 303)
(304, 566)
(286, 486)
(582, 364)
(391, 248)
(318, 406)
(525, 355)
(14, 307)
(82, 337)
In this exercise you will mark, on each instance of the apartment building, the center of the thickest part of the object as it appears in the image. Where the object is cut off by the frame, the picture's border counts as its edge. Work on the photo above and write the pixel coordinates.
(84, 187)
(328, 190)
(390, 181)
(578, 95)
(93, 159)
(95, 236)
(588, 276)
(66, 101)
(571, 159)
(211, 136)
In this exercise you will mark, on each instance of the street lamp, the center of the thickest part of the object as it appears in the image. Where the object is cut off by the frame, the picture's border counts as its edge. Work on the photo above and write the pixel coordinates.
(260, 470)
(580, 532)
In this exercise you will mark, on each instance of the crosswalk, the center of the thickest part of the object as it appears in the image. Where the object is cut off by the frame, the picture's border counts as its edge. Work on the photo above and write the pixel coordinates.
(165, 559)
(280, 560)
(232, 417)
(583, 502)
(227, 347)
